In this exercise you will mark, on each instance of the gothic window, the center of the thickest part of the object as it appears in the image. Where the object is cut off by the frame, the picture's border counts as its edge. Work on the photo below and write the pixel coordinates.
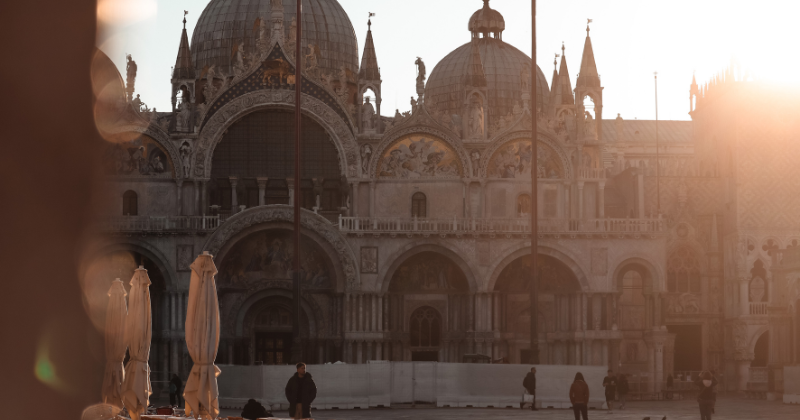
(425, 327)
(550, 207)
(631, 302)
(419, 205)
(523, 205)
(683, 272)
(130, 203)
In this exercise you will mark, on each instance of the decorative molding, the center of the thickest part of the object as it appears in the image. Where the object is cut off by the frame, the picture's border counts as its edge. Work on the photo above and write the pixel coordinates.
(214, 130)
(284, 213)
(394, 135)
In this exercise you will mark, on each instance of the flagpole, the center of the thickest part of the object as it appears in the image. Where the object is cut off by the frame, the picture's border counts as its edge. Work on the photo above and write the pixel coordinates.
(534, 286)
(297, 350)
(658, 161)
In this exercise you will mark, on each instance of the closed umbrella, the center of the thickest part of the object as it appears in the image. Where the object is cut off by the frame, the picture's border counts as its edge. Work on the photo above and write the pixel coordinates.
(138, 331)
(115, 344)
(202, 338)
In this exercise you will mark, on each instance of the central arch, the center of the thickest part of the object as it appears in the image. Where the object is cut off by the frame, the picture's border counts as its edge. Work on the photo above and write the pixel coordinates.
(413, 249)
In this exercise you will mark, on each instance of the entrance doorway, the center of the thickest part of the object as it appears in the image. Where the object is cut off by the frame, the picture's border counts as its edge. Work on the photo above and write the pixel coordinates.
(273, 348)
(425, 327)
(688, 347)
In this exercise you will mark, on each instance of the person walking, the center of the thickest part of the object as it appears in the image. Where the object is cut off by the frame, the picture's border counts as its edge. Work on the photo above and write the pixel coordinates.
(530, 385)
(301, 392)
(622, 390)
(610, 384)
(579, 397)
(706, 382)
(175, 385)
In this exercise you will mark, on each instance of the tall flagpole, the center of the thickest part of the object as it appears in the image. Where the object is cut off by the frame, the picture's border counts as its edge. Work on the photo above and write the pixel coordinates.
(534, 286)
(658, 161)
(297, 350)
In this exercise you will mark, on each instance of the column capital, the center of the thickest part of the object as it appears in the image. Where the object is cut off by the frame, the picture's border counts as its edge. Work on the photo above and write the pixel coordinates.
(601, 184)
(580, 184)
(262, 182)
(290, 182)
(234, 180)
(179, 182)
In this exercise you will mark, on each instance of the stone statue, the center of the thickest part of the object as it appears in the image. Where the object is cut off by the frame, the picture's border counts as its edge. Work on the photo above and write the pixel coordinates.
(475, 156)
(292, 40)
(525, 78)
(131, 69)
(137, 103)
(183, 117)
(421, 75)
(238, 58)
(589, 127)
(413, 105)
(476, 120)
(367, 115)
(312, 56)
(186, 153)
(209, 89)
(366, 156)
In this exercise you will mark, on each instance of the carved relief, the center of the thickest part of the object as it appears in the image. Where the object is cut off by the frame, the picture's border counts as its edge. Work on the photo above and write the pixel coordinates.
(136, 155)
(514, 136)
(184, 257)
(428, 272)
(685, 303)
(369, 259)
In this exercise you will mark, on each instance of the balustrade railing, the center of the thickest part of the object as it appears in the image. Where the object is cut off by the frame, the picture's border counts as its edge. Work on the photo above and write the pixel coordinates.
(511, 225)
(159, 223)
(591, 173)
(758, 308)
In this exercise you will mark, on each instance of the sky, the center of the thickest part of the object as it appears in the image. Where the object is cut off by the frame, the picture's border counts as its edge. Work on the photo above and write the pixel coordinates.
(632, 39)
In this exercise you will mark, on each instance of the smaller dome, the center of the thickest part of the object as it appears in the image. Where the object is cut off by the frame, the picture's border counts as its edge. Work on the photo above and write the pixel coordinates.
(486, 20)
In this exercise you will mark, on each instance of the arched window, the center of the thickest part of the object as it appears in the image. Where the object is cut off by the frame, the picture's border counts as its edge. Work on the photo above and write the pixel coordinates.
(523, 205)
(632, 302)
(425, 327)
(419, 205)
(683, 272)
(130, 203)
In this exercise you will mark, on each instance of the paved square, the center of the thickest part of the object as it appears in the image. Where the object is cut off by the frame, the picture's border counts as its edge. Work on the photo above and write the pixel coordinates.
(727, 408)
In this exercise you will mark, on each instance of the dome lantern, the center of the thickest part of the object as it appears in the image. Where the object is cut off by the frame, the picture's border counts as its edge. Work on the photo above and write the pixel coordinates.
(487, 21)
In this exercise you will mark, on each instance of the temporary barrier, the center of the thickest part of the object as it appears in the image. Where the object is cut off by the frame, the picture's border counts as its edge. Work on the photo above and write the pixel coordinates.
(791, 384)
(383, 384)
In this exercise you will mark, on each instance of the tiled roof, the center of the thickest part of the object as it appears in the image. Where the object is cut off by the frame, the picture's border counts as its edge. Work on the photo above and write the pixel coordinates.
(669, 131)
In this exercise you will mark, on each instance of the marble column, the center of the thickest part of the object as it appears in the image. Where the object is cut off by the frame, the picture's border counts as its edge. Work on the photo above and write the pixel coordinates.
(173, 312)
(379, 300)
(373, 324)
(657, 309)
(361, 323)
(290, 186)
(744, 298)
(640, 189)
(471, 326)
(379, 350)
(262, 190)
(234, 198)
(165, 318)
(601, 200)
(580, 215)
(354, 201)
(567, 210)
(196, 211)
(584, 311)
(347, 312)
(372, 199)
(359, 352)
(369, 352)
(179, 195)
(482, 201)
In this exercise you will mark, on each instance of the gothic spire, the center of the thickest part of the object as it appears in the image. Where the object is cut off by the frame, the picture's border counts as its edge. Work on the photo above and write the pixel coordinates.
(588, 76)
(475, 76)
(369, 59)
(183, 65)
(565, 82)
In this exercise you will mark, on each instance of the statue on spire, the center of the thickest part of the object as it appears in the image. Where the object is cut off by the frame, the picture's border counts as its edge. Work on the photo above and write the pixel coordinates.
(420, 77)
(130, 69)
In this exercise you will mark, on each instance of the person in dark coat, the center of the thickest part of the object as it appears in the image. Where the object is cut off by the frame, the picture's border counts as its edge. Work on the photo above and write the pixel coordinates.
(579, 397)
(175, 385)
(253, 410)
(622, 390)
(706, 382)
(530, 385)
(610, 384)
(301, 392)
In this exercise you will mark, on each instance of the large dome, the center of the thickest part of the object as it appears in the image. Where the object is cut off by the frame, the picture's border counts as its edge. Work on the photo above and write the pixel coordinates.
(502, 64)
(224, 22)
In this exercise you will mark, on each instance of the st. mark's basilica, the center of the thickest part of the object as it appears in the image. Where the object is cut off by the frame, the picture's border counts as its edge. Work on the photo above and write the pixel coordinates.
(654, 260)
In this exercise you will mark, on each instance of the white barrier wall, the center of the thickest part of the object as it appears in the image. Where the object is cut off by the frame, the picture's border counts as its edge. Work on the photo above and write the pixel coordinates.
(382, 384)
(791, 384)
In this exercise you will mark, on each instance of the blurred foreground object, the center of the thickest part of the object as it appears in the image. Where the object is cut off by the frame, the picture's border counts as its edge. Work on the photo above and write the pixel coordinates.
(138, 331)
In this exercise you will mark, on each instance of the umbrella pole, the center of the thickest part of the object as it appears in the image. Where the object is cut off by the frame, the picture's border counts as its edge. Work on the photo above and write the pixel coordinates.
(297, 351)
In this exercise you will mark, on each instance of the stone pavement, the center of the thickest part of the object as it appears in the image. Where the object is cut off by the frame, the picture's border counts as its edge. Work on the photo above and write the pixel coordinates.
(727, 408)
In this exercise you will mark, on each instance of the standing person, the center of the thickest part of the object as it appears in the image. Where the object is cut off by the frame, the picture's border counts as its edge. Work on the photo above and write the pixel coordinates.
(706, 382)
(175, 385)
(622, 390)
(301, 392)
(610, 384)
(530, 385)
(579, 397)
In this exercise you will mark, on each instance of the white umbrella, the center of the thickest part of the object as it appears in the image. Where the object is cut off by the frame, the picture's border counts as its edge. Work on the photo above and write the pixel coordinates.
(202, 338)
(115, 344)
(138, 331)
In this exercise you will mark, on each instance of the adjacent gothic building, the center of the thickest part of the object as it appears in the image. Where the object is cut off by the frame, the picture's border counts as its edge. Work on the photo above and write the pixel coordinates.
(416, 227)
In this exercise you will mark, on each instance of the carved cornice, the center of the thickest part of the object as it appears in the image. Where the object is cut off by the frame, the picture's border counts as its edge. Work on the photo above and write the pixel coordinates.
(212, 132)
(509, 136)
(283, 213)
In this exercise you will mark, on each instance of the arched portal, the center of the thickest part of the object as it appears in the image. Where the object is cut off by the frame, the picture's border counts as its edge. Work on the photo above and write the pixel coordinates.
(558, 302)
(425, 331)
(267, 329)
(761, 351)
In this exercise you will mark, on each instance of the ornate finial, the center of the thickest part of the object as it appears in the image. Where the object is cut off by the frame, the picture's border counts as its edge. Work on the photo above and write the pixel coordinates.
(185, 12)
(369, 21)
(562, 47)
(485, 4)
(555, 61)
(588, 21)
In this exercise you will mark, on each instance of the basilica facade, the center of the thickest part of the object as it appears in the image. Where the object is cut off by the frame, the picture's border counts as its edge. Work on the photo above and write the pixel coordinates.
(416, 227)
